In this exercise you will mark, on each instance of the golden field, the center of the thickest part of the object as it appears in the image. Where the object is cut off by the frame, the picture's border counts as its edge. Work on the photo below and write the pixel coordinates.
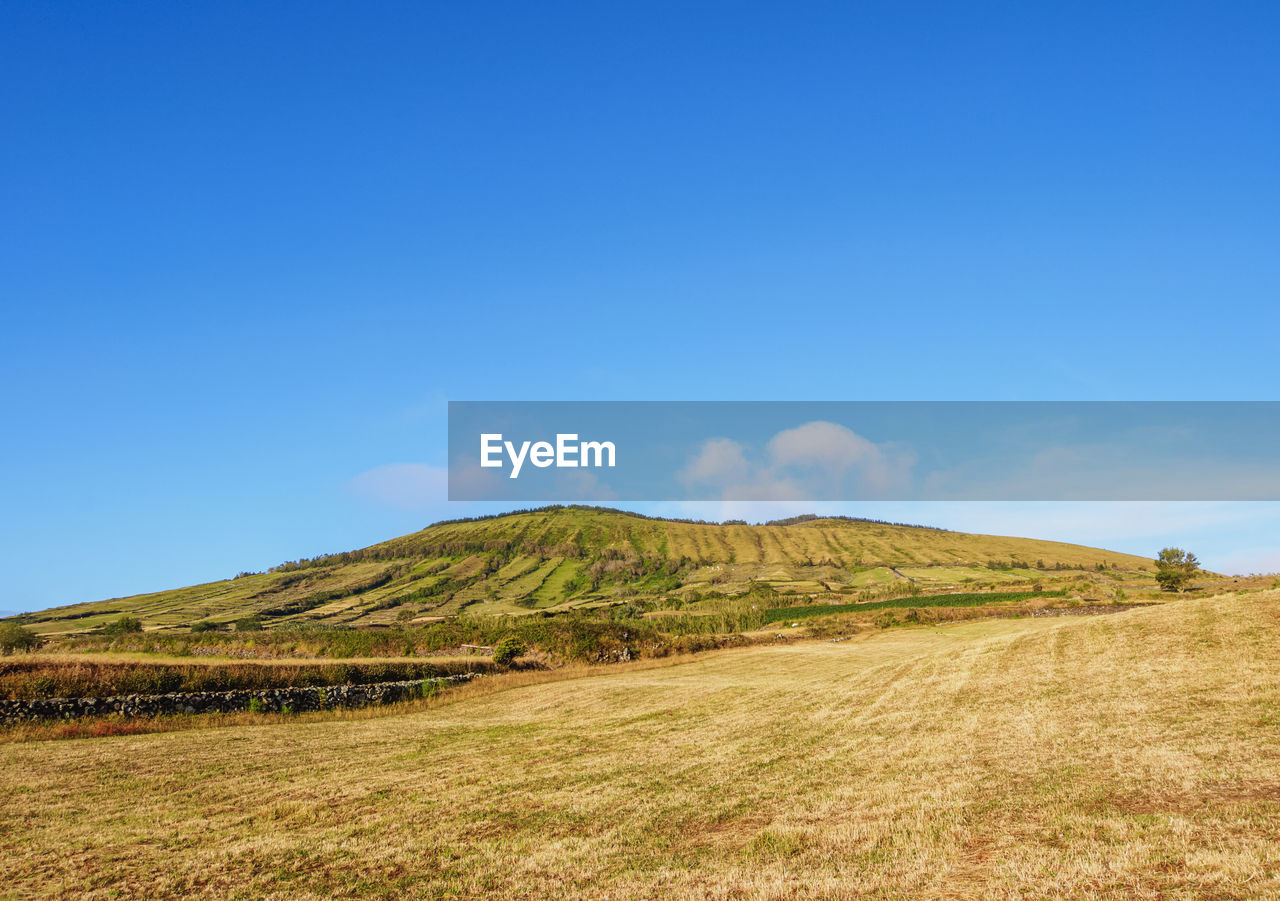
(1131, 755)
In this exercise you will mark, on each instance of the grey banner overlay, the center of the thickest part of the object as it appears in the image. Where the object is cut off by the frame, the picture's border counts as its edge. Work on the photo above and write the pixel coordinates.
(864, 450)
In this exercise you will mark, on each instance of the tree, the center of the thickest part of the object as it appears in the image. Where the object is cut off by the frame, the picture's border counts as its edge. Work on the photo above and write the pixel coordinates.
(125, 625)
(508, 650)
(15, 638)
(1175, 568)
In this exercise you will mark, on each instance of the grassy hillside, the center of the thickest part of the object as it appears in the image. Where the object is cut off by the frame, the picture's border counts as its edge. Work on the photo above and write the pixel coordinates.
(1109, 757)
(561, 559)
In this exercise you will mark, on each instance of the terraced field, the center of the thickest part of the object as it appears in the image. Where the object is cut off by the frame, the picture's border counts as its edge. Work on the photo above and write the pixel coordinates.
(565, 558)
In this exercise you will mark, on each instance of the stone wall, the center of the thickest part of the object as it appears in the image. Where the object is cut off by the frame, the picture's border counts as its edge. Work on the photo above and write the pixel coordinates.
(269, 700)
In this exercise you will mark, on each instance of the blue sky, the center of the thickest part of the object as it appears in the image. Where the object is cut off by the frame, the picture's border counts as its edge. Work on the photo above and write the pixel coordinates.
(249, 251)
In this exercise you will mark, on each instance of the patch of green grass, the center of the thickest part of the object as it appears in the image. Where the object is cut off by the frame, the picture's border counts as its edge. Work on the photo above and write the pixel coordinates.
(554, 589)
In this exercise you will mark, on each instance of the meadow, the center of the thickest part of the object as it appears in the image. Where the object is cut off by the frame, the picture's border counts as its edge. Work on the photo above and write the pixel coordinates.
(1131, 755)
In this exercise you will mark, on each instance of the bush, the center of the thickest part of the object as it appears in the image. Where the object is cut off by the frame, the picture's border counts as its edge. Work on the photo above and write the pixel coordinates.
(1175, 569)
(204, 626)
(125, 625)
(15, 638)
(508, 650)
(249, 624)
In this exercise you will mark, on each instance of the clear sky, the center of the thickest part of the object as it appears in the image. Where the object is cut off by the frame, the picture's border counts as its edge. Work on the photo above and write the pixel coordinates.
(248, 251)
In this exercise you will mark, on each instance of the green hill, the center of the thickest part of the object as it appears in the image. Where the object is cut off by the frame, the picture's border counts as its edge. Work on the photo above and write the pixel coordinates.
(563, 558)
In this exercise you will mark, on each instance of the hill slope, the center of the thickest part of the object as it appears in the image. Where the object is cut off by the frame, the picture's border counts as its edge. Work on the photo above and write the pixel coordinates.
(573, 557)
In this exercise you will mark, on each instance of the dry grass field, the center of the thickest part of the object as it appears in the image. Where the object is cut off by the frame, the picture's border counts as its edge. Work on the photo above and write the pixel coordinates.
(1132, 755)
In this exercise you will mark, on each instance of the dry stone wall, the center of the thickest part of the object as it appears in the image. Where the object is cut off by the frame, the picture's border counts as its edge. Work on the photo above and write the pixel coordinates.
(268, 700)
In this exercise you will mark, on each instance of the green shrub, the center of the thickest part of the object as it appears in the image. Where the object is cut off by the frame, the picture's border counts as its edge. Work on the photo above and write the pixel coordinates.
(204, 626)
(255, 705)
(249, 624)
(508, 650)
(125, 625)
(15, 638)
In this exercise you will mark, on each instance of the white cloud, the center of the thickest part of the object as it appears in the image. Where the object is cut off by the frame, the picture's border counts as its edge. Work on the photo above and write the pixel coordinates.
(407, 486)
(839, 452)
(720, 462)
(817, 459)
(468, 479)
(823, 444)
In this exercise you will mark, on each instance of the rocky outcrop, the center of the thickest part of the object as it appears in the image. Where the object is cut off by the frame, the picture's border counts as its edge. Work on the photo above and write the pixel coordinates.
(287, 700)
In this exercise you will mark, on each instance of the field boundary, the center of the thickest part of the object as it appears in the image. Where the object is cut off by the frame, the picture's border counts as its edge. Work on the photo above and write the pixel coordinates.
(272, 700)
(961, 599)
